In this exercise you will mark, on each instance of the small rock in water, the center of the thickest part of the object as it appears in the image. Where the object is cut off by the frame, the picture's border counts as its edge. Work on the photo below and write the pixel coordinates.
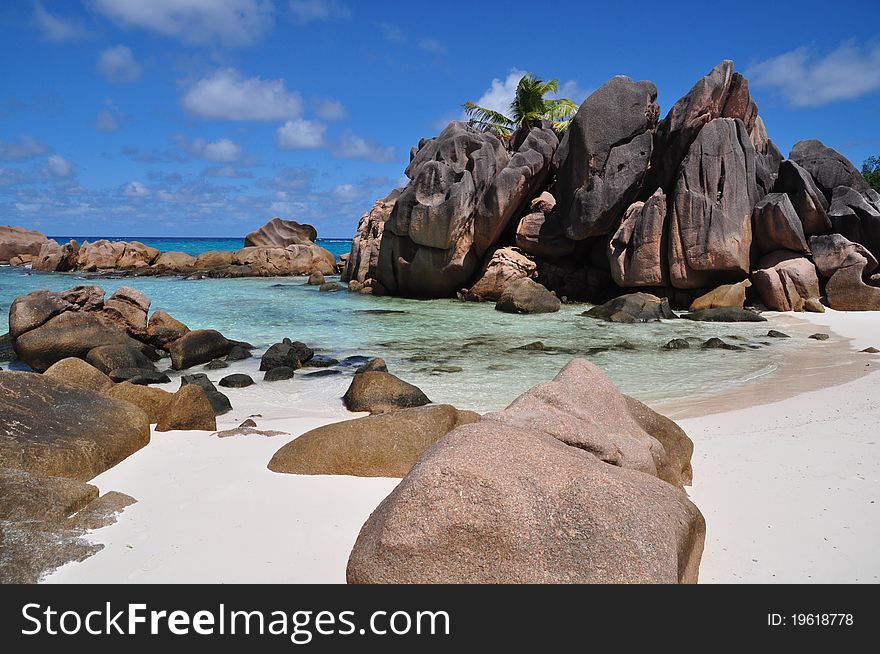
(278, 374)
(819, 337)
(677, 344)
(718, 344)
(320, 361)
(373, 365)
(216, 364)
(248, 423)
(775, 334)
(236, 381)
(536, 345)
(440, 369)
(381, 312)
(316, 278)
(626, 345)
(871, 350)
(330, 287)
(238, 353)
(326, 372)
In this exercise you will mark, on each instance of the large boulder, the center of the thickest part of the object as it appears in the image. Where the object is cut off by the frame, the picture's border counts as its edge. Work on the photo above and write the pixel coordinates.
(296, 259)
(514, 185)
(100, 255)
(57, 258)
(527, 296)
(290, 354)
(768, 158)
(541, 233)
(633, 307)
(163, 329)
(108, 358)
(427, 243)
(503, 266)
(635, 250)
(70, 334)
(827, 167)
(15, 241)
(174, 262)
(846, 265)
(152, 401)
(710, 231)
(609, 148)
(363, 260)
(281, 233)
(386, 445)
(79, 373)
(808, 201)
(213, 259)
(128, 307)
(777, 225)
(381, 392)
(564, 486)
(787, 281)
(136, 255)
(198, 346)
(188, 409)
(220, 404)
(728, 295)
(856, 218)
(62, 430)
(722, 93)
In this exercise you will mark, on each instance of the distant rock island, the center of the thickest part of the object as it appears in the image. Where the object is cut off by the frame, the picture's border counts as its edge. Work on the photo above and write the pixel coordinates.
(676, 208)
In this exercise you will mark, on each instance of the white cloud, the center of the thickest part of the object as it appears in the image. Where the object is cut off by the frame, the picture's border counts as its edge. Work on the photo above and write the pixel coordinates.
(501, 93)
(807, 80)
(229, 95)
(135, 190)
(300, 134)
(306, 11)
(328, 109)
(105, 121)
(117, 64)
(55, 28)
(347, 192)
(231, 22)
(352, 146)
(229, 172)
(59, 167)
(23, 148)
(221, 151)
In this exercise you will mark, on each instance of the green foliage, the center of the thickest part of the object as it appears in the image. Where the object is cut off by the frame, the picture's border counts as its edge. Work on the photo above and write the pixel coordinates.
(528, 106)
(871, 171)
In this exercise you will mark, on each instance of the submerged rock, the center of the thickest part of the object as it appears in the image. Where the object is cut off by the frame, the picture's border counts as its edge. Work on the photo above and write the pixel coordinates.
(278, 374)
(633, 307)
(725, 314)
(236, 381)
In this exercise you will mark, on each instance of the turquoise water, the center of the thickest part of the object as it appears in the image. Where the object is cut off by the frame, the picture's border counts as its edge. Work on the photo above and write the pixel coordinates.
(462, 353)
(196, 246)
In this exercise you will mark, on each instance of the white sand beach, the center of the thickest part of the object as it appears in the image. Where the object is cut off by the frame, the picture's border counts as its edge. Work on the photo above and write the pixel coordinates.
(789, 488)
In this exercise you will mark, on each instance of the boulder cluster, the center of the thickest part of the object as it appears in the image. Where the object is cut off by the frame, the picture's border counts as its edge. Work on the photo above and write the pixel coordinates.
(280, 247)
(623, 200)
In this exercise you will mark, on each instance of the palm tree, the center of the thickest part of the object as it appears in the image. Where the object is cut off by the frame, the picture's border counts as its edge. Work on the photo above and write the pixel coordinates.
(528, 106)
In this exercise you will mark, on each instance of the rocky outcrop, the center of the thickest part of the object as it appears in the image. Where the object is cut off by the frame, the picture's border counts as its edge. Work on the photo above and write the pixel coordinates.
(281, 233)
(787, 281)
(57, 258)
(385, 445)
(828, 168)
(608, 151)
(363, 260)
(16, 241)
(722, 93)
(637, 250)
(514, 185)
(115, 255)
(808, 201)
(382, 392)
(297, 259)
(503, 266)
(565, 486)
(527, 296)
(728, 295)
(634, 307)
(710, 231)
(777, 225)
(846, 266)
(62, 430)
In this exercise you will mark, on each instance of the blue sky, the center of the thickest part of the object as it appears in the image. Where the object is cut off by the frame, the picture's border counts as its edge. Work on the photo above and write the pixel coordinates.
(208, 117)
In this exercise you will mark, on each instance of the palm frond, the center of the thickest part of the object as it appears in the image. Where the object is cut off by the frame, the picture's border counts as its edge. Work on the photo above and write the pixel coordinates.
(486, 119)
(560, 109)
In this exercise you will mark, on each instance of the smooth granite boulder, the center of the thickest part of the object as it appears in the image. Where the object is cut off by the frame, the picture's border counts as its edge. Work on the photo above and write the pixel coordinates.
(710, 230)
(61, 430)
(219, 402)
(384, 445)
(609, 148)
(777, 225)
(808, 201)
(117, 357)
(728, 295)
(289, 354)
(787, 281)
(16, 241)
(363, 260)
(281, 233)
(79, 373)
(199, 346)
(152, 401)
(828, 168)
(527, 296)
(188, 409)
(381, 392)
(542, 492)
(633, 307)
